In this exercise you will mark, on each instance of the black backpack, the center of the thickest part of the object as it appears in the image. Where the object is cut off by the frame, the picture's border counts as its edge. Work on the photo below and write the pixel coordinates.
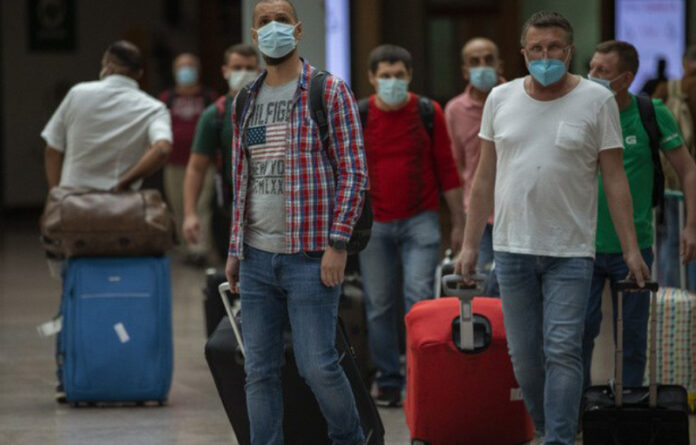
(317, 108)
(649, 121)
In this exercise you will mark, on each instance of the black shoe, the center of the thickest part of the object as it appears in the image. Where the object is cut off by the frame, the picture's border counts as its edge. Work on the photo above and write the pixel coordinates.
(388, 396)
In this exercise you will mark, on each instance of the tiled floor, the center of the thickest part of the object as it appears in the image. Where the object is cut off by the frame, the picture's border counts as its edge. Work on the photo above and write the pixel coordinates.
(194, 415)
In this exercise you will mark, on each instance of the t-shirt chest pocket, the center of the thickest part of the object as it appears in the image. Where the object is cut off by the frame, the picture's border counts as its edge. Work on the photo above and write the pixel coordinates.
(571, 135)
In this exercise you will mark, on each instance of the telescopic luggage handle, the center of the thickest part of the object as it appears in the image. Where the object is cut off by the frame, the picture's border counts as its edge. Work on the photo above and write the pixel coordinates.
(621, 287)
(224, 290)
(454, 286)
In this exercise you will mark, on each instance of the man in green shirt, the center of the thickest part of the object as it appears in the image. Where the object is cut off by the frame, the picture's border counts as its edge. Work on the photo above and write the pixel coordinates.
(212, 143)
(614, 65)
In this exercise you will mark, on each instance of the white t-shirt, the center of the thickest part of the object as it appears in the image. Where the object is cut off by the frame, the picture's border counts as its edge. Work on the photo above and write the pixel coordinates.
(104, 128)
(547, 164)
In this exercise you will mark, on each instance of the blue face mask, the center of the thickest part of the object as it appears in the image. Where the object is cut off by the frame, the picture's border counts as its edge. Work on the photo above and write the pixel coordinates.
(604, 82)
(276, 39)
(392, 91)
(547, 71)
(483, 78)
(186, 75)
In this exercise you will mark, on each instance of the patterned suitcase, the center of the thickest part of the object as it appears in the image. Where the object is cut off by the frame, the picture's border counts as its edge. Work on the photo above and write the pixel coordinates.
(676, 330)
(676, 334)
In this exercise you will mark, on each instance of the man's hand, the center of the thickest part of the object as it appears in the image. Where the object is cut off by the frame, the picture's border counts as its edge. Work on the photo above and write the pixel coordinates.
(232, 273)
(688, 244)
(333, 266)
(192, 228)
(637, 269)
(465, 264)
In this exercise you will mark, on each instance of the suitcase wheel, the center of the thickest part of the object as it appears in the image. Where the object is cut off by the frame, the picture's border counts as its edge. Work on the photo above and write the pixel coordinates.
(419, 442)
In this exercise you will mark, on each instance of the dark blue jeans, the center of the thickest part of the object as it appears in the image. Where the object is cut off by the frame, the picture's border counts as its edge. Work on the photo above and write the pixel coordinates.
(636, 306)
(544, 304)
(277, 289)
(414, 243)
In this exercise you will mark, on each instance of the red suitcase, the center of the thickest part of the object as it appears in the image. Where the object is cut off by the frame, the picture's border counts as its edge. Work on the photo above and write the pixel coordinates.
(457, 395)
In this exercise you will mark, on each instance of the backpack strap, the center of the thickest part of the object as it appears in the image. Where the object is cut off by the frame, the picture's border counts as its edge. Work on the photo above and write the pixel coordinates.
(646, 110)
(220, 106)
(317, 104)
(363, 109)
(427, 114)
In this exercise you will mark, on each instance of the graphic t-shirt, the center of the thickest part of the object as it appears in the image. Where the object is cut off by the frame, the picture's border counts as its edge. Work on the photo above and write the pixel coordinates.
(266, 145)
(639, 170)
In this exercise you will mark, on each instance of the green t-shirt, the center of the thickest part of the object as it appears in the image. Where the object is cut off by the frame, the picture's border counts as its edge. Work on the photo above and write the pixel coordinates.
(214, 134)
(639, 170)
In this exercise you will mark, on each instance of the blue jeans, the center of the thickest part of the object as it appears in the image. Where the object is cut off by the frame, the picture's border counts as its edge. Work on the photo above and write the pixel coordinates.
(636, 308)
(668, 239)
(544, 305)
(414, 243)
(485, 262)
(485, 250)
(277, 289)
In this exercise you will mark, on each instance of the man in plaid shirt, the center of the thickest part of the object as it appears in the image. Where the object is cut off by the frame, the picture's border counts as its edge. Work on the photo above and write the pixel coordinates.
(293, 210)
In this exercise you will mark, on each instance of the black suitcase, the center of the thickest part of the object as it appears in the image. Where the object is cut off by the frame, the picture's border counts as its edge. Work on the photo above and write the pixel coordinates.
(303, 422)
(351, 309)
(213, 309)
(653, 415)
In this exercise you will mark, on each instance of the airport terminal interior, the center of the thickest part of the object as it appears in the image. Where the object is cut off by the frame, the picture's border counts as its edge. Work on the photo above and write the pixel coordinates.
(193, 415)
(47, 46)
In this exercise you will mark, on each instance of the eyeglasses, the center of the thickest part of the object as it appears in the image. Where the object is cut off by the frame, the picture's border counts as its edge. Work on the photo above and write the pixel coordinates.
(552, 52)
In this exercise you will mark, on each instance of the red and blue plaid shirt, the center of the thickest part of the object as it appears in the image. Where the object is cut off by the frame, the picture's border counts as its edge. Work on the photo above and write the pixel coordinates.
(324, 188)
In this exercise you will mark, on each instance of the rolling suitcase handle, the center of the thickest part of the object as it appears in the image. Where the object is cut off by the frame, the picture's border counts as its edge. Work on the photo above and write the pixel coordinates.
(453, 286)
(224, 288)
(631, 286)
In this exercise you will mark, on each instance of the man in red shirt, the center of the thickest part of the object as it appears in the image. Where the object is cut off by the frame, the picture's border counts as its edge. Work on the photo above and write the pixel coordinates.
(186, 102)
(408, 165)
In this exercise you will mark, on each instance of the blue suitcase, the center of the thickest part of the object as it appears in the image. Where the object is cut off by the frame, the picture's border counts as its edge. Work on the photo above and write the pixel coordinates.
(116, 340)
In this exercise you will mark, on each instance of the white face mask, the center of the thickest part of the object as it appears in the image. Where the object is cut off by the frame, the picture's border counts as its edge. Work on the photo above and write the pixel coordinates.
(238, 79)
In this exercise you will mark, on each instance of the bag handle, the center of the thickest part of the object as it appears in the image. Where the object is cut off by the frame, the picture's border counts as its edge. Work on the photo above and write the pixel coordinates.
(224, 290)
(621, 287)
(454, 286)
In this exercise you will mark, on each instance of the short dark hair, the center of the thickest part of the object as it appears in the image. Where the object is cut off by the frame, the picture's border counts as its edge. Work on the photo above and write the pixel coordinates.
(243, 49)
(628, 56)
(125, 54)
(690, 53)
(391, 54)
(292, 7)
(547, 19)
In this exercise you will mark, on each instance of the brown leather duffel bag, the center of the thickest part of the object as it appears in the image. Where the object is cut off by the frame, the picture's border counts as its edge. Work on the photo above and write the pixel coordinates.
(84, 222)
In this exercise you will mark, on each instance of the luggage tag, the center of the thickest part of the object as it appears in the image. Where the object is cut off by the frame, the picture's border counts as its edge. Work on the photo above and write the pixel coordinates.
(50, 328)
(121, 333)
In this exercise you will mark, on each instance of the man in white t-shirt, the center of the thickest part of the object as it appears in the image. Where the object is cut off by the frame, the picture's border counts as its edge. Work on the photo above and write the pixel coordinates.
(544, 138)
(108, 134)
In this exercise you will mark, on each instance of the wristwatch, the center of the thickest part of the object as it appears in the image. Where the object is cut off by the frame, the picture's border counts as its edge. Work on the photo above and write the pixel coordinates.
(338, 245)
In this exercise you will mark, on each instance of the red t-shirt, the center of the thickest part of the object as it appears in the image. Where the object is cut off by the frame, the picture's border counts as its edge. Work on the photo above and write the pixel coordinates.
(407, 170)
(185, 111)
